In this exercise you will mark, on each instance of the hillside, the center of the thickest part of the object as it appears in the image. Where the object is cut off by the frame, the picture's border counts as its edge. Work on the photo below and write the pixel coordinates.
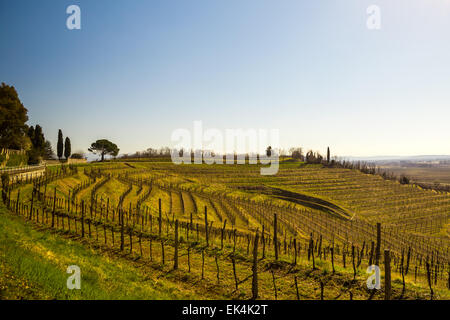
(201, 241)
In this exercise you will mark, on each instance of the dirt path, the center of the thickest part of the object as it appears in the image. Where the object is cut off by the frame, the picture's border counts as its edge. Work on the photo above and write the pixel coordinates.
(307, 201)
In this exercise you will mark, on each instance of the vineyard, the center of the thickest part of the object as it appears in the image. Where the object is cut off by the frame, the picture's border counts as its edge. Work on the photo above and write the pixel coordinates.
(309, 232)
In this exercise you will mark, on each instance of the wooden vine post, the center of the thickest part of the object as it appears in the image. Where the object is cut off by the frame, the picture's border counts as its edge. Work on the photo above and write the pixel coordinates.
(54, 208)
(353, 262)
(159, 218)
(387, 275)
(275, 239)
(122, 240)
(175, 259)
(223, 231)
(263, 240)
(32, 202)
(163, 259)
(206, 227)
(295, 251)
(17, 201)
(332, 258)
(378, 248)
(255, 268)
(82, 218)
(68, 203)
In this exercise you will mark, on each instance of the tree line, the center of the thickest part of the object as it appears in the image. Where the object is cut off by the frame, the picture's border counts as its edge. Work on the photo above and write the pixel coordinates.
(16, 134)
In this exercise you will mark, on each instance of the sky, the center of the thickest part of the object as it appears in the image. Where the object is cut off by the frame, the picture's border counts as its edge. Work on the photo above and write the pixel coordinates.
(138, 70)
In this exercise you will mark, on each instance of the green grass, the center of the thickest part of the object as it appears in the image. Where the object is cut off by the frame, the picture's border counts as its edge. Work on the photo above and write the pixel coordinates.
(34, 266)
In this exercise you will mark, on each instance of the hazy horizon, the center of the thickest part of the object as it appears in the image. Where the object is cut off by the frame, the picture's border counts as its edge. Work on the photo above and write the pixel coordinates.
(349, 157)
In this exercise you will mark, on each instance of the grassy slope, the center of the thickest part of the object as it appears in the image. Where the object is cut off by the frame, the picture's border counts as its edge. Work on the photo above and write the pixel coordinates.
(33, 266)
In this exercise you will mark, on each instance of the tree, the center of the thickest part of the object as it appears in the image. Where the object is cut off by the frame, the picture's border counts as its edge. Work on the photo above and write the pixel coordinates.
(104, 147)
(313, 157)
(164, 151)
(404, 179)
(39, 139)
(115, 153)
(67, 148)
(30, 133)
(37, 150)
(48, 151)
(12, 120)
(34, 156)
(59, 146)
(152, 152)
(328, 154)
(78, 155)
(269, 151)
(296, 153)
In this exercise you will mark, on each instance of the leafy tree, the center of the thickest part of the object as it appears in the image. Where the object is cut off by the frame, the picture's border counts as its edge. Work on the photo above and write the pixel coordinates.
(313, 157)
(13, 116)
(67, 148)
(152, 152)
(59, 146)
(34, 156)
(30, 133)
(269, 151)
(48, 151)
(404, 179)
(78, 155)
(296, 153)
(37, 150)
(38, 140)
(115, 153)
(104, 147)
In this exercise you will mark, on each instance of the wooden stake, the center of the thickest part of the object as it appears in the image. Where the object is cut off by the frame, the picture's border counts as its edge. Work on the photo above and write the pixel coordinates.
(378, 248)
(255, 268)
(275, 238)
(387, 275)
(175, 259)
(206, 227)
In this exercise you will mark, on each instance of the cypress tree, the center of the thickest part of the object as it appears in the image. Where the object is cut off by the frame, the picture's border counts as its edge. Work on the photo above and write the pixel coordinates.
(59, 147)
(38, 140)
(67, 148)
(328, 154)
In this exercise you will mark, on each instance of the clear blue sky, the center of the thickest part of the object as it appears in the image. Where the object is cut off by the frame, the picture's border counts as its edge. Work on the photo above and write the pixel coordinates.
(137, 70)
